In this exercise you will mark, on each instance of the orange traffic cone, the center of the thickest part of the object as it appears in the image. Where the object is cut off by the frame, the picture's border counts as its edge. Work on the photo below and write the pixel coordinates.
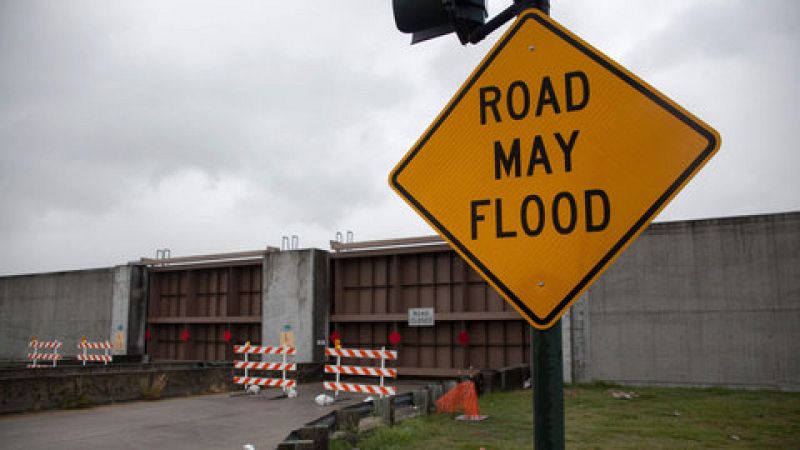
(462, 398)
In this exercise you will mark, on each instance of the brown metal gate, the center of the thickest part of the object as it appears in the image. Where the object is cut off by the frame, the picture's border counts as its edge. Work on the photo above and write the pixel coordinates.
(373, 288)
(206, 300)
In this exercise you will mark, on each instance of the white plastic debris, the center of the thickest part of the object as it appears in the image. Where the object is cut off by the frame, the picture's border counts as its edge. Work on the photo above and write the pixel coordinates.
(622, 395)
(249, 447)
(291, 393)
(368, 399)
(323, 400)
(253, 389)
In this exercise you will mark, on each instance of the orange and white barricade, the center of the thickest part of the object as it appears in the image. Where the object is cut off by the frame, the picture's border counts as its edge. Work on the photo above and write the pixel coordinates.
(85, 356)
(381, 372)
(36, 346)
(283, 366)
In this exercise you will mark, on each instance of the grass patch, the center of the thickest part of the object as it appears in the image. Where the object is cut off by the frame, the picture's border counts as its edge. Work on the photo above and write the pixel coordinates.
(658, 418)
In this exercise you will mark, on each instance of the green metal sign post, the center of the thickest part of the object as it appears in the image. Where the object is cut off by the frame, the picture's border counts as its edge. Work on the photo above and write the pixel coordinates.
(547, 372)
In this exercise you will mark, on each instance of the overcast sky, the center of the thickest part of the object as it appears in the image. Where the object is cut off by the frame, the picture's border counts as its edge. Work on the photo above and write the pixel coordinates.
(222, 126)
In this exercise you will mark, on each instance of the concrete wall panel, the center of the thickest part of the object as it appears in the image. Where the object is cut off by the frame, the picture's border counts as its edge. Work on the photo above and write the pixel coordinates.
(708, 302)
(60, 305)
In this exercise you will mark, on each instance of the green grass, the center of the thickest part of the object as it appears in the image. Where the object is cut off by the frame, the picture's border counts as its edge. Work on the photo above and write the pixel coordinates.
(659, 418)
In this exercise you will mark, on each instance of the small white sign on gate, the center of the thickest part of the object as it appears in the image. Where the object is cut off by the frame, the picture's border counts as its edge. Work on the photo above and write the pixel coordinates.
(421, 317)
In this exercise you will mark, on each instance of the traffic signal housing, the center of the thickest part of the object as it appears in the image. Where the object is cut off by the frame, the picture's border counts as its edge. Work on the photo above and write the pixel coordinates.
(428, 19)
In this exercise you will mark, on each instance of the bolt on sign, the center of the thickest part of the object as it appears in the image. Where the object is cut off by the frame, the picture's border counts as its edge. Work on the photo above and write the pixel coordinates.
(547, 163)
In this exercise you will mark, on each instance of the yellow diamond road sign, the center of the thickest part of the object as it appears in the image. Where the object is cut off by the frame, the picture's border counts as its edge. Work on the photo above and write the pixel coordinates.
(548, 162)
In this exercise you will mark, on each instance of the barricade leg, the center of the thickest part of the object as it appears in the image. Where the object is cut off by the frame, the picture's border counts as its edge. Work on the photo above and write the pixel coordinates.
(338, 364)
(383, 366)
(246, 373)
(283, 374)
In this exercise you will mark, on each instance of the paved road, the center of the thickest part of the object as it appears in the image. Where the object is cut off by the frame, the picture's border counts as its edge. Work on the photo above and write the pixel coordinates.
(218, 421)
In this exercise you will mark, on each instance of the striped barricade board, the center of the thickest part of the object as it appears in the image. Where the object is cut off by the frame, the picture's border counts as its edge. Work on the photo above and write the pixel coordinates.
(380, 372)
(360, 353)
(359, 370)
(248, 349)
(85, 356)
(360, 388)
(254, 365)
(282, 366)
(266, 382)
(39, 353)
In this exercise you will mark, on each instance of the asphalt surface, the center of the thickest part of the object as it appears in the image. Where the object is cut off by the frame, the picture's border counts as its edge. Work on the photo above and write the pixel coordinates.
(219, 421)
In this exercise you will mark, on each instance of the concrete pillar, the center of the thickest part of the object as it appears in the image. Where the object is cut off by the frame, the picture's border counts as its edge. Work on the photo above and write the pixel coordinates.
(120, 303)
(579, 341)
(566, 354)
(295, 298)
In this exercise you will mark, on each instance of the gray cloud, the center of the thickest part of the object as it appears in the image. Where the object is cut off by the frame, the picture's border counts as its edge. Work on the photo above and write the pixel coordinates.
(116, 111)
(216, 126)
(733, 65)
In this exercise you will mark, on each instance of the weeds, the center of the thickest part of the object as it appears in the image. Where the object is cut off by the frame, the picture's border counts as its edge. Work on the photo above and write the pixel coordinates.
(152, 387)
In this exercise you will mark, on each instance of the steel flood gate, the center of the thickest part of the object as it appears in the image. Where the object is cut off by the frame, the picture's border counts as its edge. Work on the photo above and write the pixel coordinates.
(197, 311)
(373, 284)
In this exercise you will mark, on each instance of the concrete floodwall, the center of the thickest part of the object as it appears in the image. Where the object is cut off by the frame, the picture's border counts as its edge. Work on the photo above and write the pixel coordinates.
(707, 302)
(64, 306)
(295, 299)
(70, 387)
